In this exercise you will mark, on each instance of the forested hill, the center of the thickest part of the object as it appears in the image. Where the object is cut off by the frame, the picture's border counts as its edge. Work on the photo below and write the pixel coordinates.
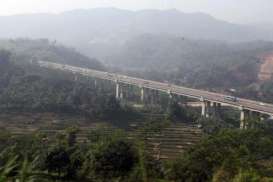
(30, 89)
(201, 63)
(171, 52)
(25, 50)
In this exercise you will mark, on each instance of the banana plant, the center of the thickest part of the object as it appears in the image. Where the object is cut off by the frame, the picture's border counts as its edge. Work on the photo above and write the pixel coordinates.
(7, 169)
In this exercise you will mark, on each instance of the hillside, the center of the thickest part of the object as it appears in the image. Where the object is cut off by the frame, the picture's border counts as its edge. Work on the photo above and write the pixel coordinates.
(25, 50)
(26, 88)
(197, 63)
(266, 69)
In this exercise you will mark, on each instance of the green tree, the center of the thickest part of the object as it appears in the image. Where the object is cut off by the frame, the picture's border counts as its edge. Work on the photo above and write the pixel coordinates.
(58, 161)
(229, 151)
(116, 159)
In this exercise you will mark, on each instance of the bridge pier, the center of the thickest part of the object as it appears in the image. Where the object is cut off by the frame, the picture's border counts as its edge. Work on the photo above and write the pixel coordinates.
(117, 90)
(76, 78)
(142, 94)
(203, 109)
(95, 83)
(170, 94)
(208, 109)
(121, 93)
(247, 116)
(242, 118)
(213, 111)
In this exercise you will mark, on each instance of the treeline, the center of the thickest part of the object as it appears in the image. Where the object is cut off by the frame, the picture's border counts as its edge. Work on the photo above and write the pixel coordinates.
(229, 155)
(38, 157)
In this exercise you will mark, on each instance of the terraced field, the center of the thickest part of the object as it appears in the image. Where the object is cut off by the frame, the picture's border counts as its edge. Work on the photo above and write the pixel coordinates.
(167, 143)
(170, 142)
(48, 123)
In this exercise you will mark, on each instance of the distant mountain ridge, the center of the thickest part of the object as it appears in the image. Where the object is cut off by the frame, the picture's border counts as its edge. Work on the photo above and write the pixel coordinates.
(108, 27)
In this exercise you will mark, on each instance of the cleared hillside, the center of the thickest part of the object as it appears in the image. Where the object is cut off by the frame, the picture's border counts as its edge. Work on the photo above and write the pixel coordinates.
(266, 68)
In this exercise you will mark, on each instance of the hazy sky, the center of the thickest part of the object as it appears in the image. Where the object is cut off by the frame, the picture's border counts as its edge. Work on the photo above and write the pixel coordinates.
(243, 11)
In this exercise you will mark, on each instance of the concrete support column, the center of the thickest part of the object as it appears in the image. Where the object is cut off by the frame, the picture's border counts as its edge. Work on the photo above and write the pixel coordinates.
(142, 94)
(117, 90)
(76, 78)
(214, 109)
(242, 119)
(262, 117)
(208, 108)
(95, 83)
(170, 94)
(203, 109)
(121, 93)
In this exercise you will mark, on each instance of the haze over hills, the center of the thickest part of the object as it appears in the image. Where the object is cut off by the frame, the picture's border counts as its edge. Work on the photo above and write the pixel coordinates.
(25, 50)
(96, 31)
(193, 49)
(62, 123)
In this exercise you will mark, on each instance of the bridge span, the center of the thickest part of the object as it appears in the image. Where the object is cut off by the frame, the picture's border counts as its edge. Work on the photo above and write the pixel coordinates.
(207, 99)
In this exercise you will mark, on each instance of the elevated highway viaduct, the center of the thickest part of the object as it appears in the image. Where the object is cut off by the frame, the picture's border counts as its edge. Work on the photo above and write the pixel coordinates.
(208, 99)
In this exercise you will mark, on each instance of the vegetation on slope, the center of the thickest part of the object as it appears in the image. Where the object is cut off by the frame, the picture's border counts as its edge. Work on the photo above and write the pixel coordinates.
(25, 50)
(22, 91)
(211, 65)
(225, 155)
(229, 155)
(201, 63)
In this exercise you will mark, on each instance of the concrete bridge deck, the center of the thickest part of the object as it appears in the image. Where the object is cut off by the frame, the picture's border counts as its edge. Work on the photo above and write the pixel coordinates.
(242, 104)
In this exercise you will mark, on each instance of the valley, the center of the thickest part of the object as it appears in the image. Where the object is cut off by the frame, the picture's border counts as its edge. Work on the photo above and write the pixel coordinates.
(135, 95)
